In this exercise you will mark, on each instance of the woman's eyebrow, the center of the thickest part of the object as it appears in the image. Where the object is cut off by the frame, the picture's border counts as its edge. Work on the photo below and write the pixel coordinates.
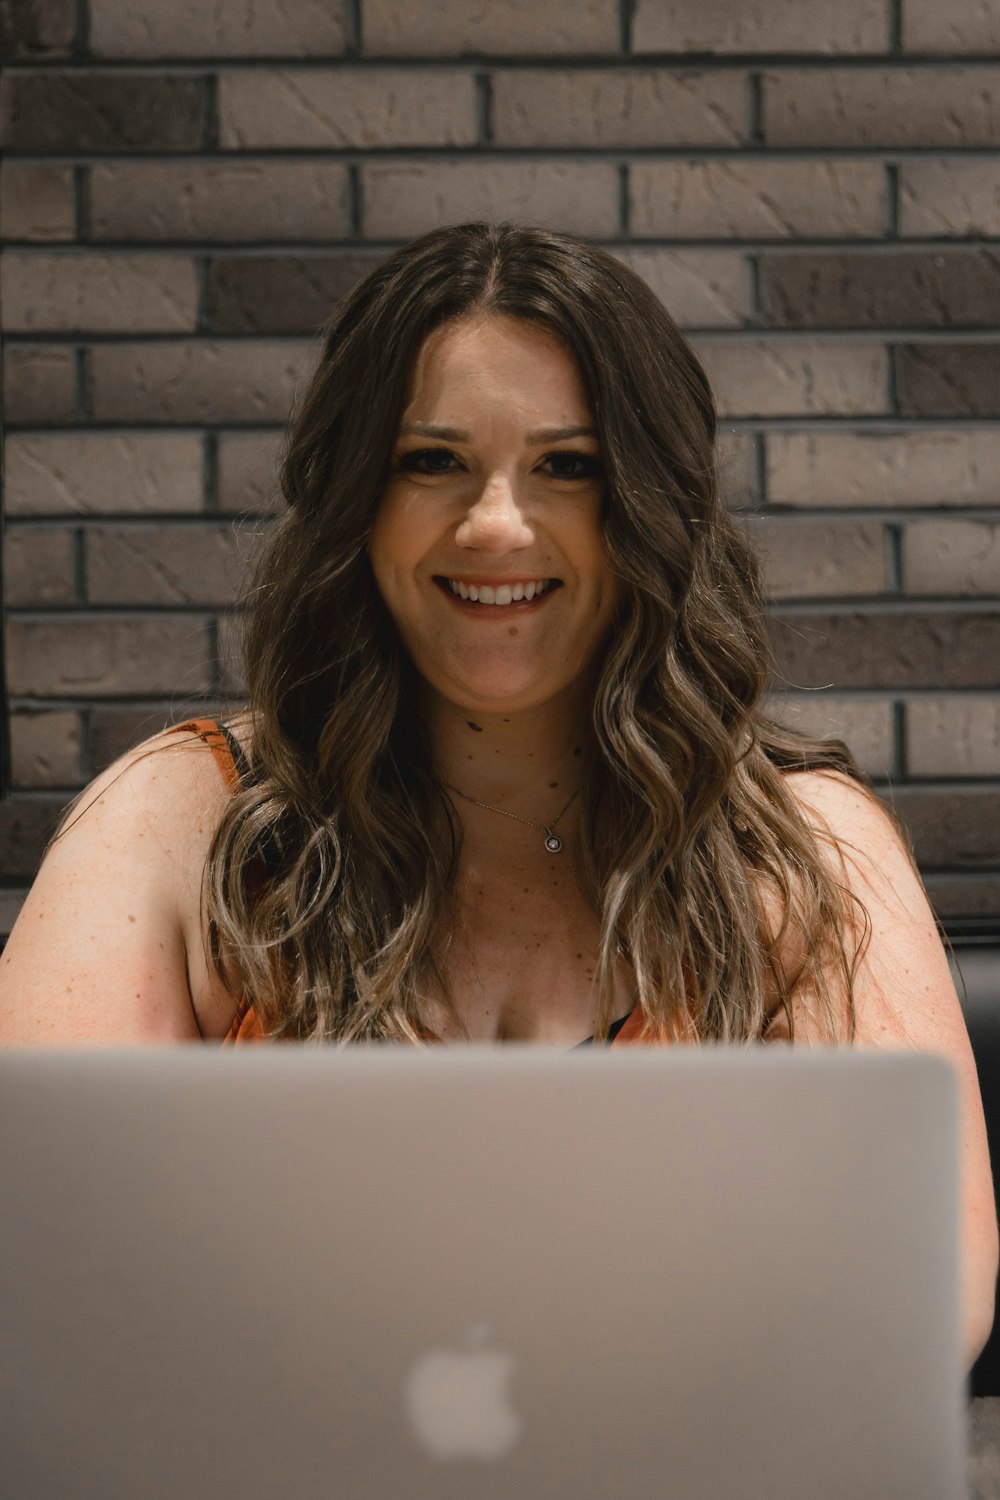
(428, 429)
(459, 435)
(557, 434)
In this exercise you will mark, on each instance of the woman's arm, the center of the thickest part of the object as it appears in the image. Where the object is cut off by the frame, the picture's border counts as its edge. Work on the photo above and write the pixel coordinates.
(99, 952)
(904, 997)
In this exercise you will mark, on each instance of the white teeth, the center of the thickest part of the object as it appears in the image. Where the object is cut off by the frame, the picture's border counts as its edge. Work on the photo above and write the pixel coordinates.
(504, 593)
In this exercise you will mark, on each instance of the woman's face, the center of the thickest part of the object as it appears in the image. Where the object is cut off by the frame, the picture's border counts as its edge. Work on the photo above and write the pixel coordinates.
(487, 545)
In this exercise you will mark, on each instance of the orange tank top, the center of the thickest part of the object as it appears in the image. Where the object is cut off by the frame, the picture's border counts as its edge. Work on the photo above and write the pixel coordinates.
(246, 1026)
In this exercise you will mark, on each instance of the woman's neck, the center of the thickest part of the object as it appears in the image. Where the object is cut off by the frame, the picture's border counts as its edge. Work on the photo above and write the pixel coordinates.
(528, 762)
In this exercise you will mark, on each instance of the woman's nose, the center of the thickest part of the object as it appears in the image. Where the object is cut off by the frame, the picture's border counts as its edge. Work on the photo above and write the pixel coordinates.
(496, 521)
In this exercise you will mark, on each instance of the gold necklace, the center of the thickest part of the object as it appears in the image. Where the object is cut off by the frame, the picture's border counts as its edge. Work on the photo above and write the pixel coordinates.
(553, 842)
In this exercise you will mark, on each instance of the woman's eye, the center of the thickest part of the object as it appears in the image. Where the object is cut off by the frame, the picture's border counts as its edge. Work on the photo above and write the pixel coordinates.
(427, 461)
(574, 465)
(441, 460)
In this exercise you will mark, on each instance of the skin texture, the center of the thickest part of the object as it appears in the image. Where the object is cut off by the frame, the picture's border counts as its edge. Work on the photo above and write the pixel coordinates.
(110, 945)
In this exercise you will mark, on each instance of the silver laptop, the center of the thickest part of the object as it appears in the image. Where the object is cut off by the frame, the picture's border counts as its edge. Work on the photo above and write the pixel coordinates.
(384, 1274)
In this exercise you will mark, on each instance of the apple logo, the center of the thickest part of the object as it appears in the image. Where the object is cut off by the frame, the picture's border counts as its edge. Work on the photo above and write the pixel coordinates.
(457, 1400)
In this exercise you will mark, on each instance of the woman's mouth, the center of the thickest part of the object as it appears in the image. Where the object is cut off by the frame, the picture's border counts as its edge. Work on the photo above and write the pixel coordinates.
(521, 591)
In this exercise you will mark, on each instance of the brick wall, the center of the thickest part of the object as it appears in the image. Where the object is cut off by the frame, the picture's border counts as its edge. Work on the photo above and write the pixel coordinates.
(812, 189)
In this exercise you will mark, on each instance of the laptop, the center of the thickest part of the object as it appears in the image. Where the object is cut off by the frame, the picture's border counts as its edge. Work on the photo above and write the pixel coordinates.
(479, 1272)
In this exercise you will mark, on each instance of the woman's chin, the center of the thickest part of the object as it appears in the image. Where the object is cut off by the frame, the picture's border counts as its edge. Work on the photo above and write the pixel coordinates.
(502, 696)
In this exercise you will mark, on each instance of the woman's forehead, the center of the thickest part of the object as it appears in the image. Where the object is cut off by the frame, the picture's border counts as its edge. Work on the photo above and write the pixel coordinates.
(491, 360)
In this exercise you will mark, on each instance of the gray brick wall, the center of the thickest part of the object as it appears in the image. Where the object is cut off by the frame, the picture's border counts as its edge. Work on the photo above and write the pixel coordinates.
(813, 190)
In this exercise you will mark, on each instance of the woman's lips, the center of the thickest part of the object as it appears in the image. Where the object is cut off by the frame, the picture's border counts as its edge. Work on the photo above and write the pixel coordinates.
(495, 611)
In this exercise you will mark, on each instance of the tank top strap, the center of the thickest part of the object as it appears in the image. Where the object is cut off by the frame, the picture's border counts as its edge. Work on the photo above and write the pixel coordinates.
(225, 747)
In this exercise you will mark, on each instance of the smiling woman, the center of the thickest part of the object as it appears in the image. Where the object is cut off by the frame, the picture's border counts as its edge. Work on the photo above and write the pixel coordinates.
(503, 772)
(506, 595)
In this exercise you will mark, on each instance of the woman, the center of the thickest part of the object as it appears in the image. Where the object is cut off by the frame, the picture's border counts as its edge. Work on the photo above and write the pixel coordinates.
(503, 772)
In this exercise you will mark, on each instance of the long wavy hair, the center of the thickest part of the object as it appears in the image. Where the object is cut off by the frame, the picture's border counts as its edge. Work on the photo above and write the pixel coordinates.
(329, 872)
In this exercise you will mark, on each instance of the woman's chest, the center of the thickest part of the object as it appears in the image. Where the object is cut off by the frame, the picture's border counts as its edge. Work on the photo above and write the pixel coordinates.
(520, 961)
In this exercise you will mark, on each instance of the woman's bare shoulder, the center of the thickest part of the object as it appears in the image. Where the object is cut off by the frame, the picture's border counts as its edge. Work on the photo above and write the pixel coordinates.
(852, 826)
(830, 799)
(156, 805)
(888, 920)
(101, 950)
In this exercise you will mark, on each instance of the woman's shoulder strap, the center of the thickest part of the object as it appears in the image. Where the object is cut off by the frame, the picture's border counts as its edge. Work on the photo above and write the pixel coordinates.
(225, 747)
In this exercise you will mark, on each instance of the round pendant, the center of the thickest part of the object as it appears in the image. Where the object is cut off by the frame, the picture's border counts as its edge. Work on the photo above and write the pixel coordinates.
(553, 843)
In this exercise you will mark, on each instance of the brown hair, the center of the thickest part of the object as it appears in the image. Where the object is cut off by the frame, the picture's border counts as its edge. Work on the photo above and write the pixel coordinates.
(694, 854)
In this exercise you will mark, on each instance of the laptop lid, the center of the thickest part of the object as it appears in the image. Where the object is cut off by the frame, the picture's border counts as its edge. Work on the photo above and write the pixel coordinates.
(479, 1271)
